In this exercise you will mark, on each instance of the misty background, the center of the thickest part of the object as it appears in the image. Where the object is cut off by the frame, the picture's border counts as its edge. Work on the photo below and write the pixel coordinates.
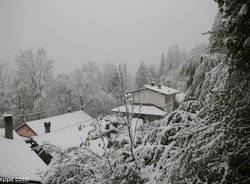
(110, 31)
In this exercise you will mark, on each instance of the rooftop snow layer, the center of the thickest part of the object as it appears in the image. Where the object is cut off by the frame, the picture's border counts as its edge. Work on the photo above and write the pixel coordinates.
(163, 90)
(15, 135)
(70, 137)
(18, 160)
(141, 109)
(60, 121)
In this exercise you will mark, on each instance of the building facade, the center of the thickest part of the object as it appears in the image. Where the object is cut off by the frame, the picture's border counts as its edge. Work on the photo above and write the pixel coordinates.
(151, 102)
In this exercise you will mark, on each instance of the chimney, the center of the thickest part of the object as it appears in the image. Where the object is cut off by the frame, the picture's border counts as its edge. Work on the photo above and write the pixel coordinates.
(152, 84)
(159, 86)
(8, 122)
(47, 127)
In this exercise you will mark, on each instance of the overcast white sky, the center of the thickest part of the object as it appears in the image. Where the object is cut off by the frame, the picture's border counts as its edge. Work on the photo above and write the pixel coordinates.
(75, 31)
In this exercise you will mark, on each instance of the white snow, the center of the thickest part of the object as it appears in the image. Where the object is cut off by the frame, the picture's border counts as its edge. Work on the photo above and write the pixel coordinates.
(180, 97)
(60, 121)
(243, 10)
(7, 115)
(136, 125)
(15, 135)
(141, 109)
(18, 160)
(163, 90)
(71, 137)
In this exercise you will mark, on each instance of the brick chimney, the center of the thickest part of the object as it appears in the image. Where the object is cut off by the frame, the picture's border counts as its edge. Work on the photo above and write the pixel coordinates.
(8, 123)
(159, 86)
(47, 127)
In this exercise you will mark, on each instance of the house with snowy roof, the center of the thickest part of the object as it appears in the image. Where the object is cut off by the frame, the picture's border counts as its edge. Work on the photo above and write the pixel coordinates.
(47, 125)
(72, 136)
(18, 163)
(67, 130)
(151, 102)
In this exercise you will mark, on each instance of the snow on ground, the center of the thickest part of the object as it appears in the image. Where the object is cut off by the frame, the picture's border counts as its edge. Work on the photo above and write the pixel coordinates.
(60, 121)
(17, 159)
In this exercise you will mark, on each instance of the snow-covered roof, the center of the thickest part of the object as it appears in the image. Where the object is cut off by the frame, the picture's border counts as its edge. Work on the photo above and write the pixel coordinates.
(70, 137)
(60, 121)
(163, 89)
(15, 135)
(141, 109)
(18, 160)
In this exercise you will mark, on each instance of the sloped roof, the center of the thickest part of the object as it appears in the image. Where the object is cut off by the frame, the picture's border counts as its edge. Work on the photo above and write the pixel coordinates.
(58, 122)
(163, 90)
(71, 136)
(18, 160)
(141, 109)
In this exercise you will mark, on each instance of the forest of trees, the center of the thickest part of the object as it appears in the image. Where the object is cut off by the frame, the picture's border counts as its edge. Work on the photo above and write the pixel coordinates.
(31, 85)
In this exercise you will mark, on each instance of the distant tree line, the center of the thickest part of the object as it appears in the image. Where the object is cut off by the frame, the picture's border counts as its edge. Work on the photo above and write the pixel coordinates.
(31, 86)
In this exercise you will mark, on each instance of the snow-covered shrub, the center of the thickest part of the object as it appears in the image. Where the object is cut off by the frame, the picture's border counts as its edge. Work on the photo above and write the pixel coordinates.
(76, 165)
(192, 106)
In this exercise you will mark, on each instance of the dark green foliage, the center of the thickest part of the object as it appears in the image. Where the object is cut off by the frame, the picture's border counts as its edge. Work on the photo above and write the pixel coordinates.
(235, 35)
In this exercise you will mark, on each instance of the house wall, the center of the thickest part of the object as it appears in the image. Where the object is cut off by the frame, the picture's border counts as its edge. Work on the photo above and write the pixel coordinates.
(25, 131)
(147, 96)
(171, 103)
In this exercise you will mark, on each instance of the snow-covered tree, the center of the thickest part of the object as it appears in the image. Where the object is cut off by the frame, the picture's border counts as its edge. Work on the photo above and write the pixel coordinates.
(6, 95)
(235, 35)
(141, 76)
(88, 92)
(217, 29)
(199, 49)
(161, 67)
(144, 75)
(61, 92)
(33, 78)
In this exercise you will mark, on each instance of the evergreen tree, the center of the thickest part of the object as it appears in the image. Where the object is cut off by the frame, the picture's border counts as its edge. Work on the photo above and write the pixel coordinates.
(142, 76)
(161, 67)
(235, 35)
